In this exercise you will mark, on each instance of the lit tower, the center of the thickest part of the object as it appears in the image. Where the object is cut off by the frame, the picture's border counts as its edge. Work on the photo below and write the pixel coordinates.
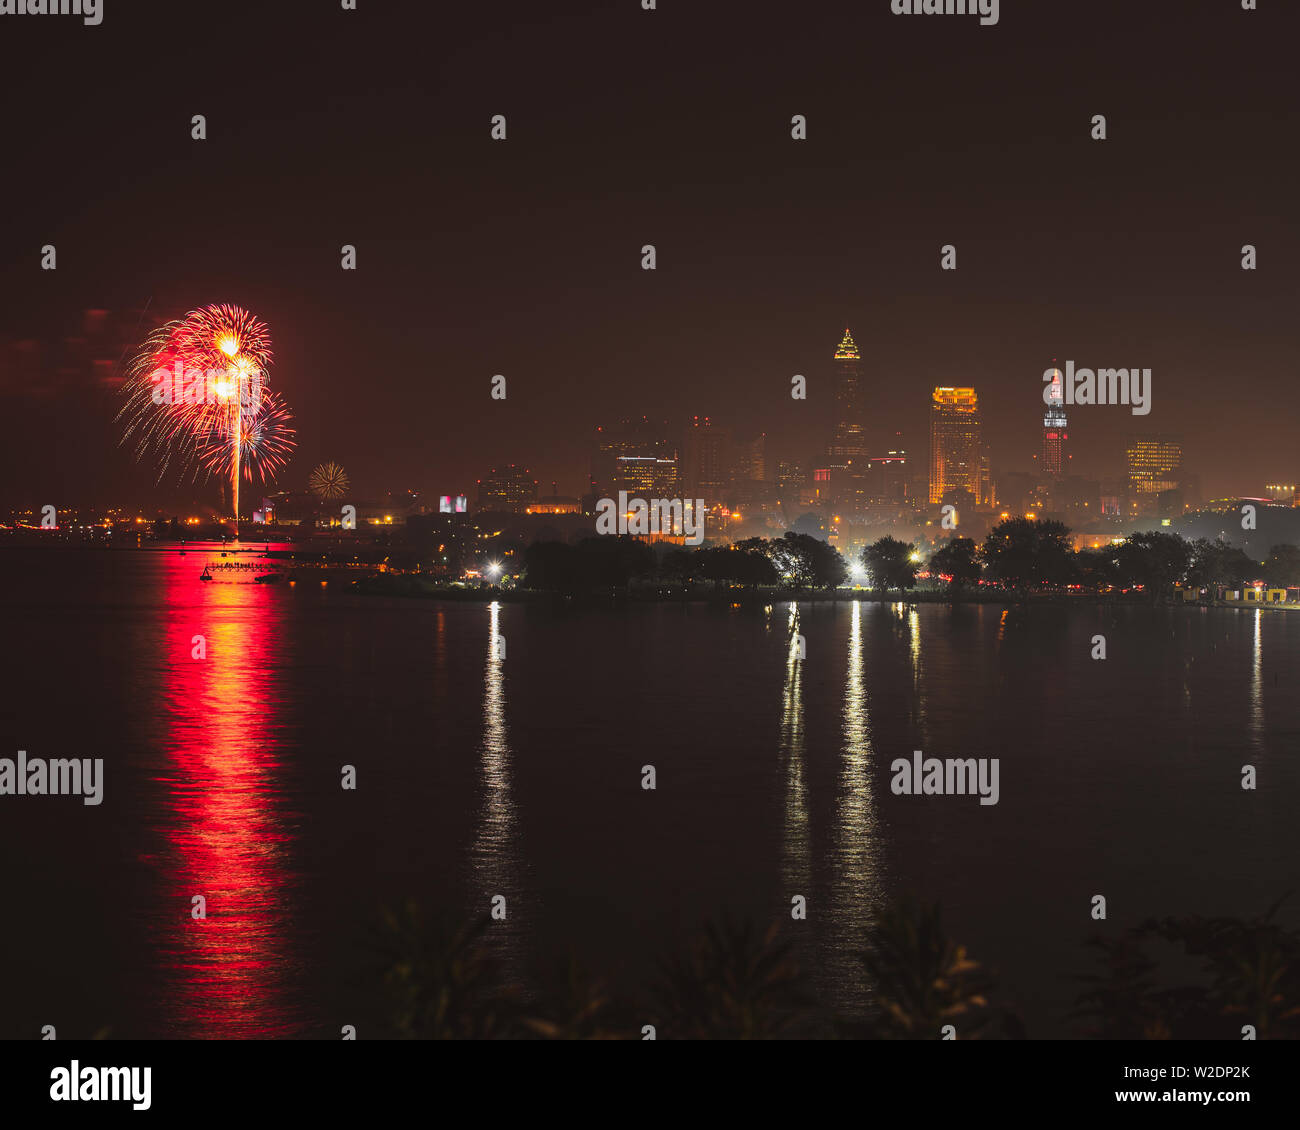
(1054, 435)
(956, 445)
(849, 441)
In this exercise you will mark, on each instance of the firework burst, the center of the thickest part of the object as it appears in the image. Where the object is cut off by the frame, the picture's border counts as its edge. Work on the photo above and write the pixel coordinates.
(196, 399)
(266, 441)
(329, 480)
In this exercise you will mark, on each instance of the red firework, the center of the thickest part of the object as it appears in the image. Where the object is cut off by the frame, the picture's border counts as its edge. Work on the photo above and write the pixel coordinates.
(196, 395)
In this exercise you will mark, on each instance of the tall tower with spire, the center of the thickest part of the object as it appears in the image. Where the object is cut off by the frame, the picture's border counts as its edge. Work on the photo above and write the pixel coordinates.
(849, 438)
(1054, 435)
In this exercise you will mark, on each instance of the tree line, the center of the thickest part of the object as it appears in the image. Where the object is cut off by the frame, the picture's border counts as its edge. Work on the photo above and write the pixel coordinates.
(1019, 554)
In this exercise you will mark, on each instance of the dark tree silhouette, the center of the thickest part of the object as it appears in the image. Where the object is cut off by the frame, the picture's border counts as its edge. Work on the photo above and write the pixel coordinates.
(956, 560)
(1154, 560)
(805, 561)
(1027, 553)
(889, 564)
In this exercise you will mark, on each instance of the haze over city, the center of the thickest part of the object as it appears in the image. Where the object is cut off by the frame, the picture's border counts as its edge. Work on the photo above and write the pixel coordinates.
(1119, 253)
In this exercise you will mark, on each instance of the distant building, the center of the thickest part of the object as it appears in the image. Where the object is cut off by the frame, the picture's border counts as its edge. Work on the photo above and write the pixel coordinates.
(1054, 457)
(554, 504)
(752, 486)
(1074, 495)
(751, 460)
(294, 507)
(1114, 496)
(647, 476)
(1155, 466)
(888, 477)
(849, 438)
(1018, 494)
(986, 496)
(508, 489)
(630, 454)
(708, 458)
(1172, 501)
(792, 484)
(957, 456)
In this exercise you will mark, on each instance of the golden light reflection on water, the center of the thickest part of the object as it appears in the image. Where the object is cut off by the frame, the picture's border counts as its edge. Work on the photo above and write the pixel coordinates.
(494, 854)
(1256, 723)
(856, 885)
(918, 671)
(796, 863)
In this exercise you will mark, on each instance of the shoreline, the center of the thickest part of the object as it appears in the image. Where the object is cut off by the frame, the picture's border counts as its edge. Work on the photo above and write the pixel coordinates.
(366, 578)
(414, 588)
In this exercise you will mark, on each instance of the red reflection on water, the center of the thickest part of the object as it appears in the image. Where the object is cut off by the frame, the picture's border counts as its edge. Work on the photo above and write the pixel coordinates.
(226, 975)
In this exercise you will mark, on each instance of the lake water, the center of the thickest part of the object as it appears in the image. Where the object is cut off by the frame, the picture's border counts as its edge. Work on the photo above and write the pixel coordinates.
(480, 776)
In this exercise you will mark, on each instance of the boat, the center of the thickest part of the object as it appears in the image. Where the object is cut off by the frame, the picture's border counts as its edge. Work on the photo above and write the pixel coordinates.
(206, 575)
(267, 578)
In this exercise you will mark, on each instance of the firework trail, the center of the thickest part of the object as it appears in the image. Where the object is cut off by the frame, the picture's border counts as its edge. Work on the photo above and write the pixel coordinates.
(196, 398)
(265, 442)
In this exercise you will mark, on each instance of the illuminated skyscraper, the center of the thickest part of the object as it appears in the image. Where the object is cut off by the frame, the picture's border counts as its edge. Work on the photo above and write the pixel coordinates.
(1154, 464)
(956, 450)
(849, 440)
(1054, 435)
(708, 460)
(626, 453)
(889, 474)
(751, 459)
(507, 488)
(648, 476)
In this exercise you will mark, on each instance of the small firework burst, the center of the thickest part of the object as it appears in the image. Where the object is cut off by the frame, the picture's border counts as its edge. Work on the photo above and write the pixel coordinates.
(329, 480)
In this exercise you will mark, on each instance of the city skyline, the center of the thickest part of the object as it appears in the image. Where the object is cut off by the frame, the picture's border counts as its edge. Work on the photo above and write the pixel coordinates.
(686, 445)
(647, 519)
(1065, 247)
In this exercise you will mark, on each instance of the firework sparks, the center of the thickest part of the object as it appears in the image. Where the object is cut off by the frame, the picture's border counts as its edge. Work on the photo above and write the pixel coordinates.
(196, 398)
(329, 480)
(265, 442)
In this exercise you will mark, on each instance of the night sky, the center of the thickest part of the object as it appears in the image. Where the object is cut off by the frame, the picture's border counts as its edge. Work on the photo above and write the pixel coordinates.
(670, 127)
